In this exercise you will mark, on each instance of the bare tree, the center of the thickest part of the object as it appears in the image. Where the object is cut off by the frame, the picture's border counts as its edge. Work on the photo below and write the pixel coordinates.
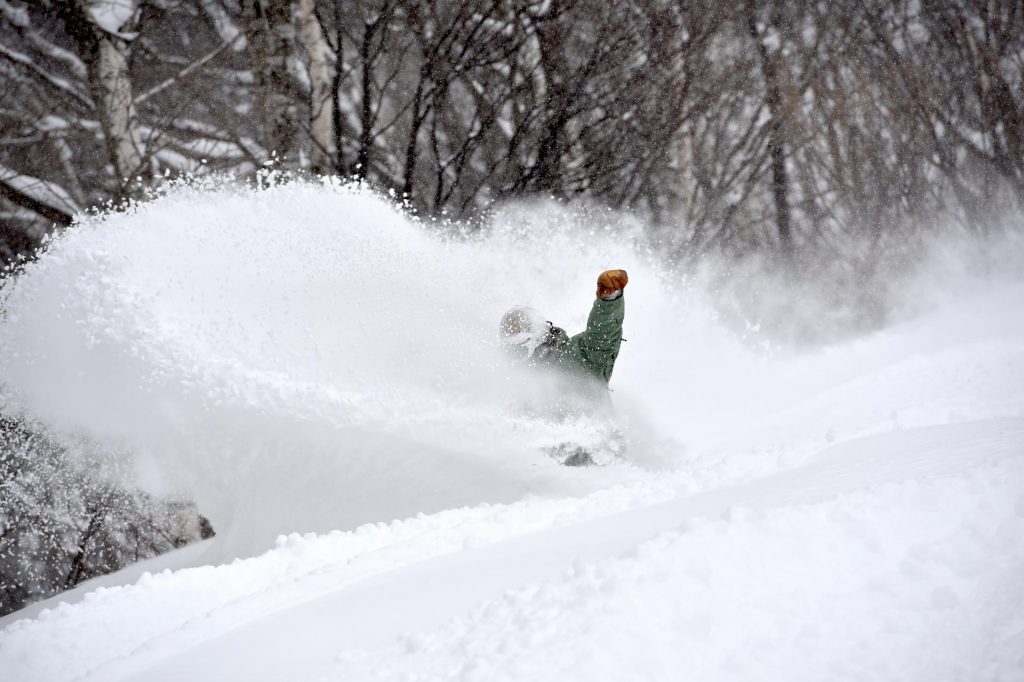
(102, 33)
(270, 36)
(67, 517)
(320, 65)
(776, 125)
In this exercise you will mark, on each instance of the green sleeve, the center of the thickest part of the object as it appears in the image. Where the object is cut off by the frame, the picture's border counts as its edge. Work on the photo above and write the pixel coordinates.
(598, 346)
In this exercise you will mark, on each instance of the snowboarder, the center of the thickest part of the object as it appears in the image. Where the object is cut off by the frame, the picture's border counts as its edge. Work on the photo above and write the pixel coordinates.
(586, 360)
(589, 354)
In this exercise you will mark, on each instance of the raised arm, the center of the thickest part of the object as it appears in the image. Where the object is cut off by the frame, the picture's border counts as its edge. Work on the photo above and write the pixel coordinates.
(598, 347)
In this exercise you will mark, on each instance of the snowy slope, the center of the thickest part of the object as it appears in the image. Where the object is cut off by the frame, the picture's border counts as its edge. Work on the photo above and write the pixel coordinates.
(307, 359)
(894, 556)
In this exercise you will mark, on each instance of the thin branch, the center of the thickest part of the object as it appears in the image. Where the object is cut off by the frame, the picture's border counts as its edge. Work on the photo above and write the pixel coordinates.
(188, 71)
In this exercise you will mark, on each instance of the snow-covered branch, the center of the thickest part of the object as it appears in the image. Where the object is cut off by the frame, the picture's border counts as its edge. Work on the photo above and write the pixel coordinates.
(45, 198)
(61, 84)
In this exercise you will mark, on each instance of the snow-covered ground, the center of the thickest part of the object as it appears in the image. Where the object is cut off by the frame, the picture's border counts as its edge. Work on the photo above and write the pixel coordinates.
(308, 363)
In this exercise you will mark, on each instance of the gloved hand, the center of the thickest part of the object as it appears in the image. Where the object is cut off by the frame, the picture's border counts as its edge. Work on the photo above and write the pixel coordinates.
(610, 282)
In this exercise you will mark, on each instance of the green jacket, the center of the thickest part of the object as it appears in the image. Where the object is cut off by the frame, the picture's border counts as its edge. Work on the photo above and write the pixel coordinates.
(592, 353)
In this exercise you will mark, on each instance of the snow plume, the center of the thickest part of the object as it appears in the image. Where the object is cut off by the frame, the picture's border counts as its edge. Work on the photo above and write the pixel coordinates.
(837, 292)
(298, 357)
(305, 356)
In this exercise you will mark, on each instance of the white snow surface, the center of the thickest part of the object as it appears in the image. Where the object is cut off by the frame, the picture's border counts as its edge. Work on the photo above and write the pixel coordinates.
(308, 363)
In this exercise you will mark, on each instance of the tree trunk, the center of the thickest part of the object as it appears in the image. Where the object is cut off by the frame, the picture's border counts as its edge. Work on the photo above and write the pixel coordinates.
(411, 151)
(321, 79)
(113, 89)
(547, 170)
(104, 48)
(366, 59)
(776, 132)
(270, 37)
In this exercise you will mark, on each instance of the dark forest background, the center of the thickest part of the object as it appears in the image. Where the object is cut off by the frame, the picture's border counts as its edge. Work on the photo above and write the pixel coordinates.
(776, 126)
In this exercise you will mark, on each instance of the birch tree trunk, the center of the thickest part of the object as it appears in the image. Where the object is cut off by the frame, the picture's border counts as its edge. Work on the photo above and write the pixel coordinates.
(321, 80)
(112, 89)
(97, 27)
